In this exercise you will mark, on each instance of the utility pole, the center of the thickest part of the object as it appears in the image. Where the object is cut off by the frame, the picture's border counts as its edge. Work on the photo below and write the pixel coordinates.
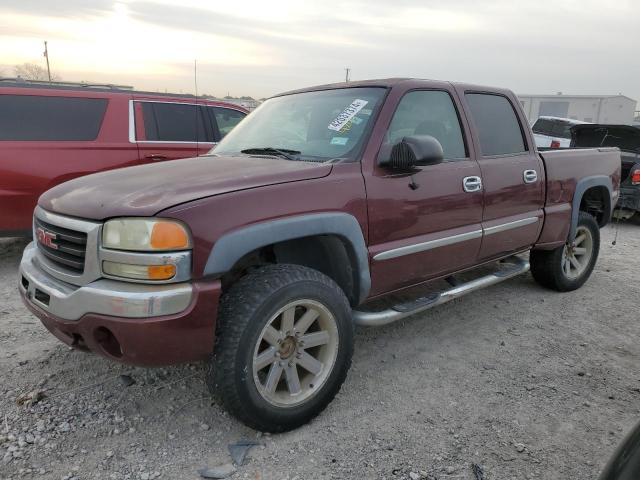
(346, 74)
(46, 55)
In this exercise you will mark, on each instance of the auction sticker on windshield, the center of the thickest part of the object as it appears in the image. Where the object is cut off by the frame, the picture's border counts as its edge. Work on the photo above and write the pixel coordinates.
(347, 114)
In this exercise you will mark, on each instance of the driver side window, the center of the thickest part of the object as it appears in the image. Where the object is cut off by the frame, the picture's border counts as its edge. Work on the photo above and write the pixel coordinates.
(429, 112)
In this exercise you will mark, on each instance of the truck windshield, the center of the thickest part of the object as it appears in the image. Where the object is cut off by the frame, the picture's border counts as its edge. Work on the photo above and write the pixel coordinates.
(309, 126)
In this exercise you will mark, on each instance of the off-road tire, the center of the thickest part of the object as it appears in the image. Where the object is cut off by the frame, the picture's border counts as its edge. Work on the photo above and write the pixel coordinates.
(547, 265)
(244, 312)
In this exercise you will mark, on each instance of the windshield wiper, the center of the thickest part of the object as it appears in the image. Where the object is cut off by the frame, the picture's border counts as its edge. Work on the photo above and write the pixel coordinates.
(283, 152)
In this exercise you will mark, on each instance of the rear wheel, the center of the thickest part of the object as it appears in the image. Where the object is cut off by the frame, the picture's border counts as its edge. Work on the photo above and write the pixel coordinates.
(568, 267)
(284, 347)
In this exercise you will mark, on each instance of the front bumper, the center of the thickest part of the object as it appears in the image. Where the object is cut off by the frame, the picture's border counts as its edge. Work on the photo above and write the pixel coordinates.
(132, 323)
(629, 197)
(103, 296)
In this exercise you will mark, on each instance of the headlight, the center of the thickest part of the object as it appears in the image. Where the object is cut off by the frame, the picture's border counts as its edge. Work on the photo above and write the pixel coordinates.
(145, 235)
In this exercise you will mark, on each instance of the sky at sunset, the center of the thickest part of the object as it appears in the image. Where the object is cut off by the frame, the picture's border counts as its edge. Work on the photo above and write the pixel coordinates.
(259, 48)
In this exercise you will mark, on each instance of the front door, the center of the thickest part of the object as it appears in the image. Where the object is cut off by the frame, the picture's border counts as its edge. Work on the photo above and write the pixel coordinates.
(423, 225)
(512, 175)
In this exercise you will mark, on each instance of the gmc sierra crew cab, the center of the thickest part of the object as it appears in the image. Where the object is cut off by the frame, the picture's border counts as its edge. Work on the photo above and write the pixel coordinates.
(261, 257)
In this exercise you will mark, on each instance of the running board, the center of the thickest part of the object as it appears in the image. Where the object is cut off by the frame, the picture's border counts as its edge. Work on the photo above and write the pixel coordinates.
(516, 267)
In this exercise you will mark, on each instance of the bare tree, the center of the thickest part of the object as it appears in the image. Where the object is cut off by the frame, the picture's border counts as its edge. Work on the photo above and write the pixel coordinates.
(32, 71)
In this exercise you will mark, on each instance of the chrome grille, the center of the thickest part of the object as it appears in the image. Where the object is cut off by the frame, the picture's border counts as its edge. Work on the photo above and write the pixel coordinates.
(70, 246)
(75, 260)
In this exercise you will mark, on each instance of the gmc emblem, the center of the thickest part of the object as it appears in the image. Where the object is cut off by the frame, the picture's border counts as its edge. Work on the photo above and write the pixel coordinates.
(46, 238)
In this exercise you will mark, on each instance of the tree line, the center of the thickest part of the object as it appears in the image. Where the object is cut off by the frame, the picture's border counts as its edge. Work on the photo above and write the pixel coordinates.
(31, 71)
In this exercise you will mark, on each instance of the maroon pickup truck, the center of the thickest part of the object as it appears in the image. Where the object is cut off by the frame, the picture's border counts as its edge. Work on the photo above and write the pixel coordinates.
(261, 257)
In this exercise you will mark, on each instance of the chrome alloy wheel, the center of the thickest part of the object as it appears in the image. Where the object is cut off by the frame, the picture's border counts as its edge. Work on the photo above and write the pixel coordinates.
(295, 353)
(576, 255)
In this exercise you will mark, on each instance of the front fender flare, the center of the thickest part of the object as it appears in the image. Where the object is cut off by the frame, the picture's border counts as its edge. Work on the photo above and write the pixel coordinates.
(232, 246)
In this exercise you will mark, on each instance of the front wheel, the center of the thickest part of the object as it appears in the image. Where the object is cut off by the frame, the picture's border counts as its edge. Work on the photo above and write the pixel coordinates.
(568, 267)
(284, 347)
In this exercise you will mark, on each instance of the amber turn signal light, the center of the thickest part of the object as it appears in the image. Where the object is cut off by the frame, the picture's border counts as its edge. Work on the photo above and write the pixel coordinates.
(161, 272)
(169, 236)
(139, 272)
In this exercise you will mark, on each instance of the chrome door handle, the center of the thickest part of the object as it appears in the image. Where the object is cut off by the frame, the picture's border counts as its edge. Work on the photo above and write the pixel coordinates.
(472, 184)
(530, 176)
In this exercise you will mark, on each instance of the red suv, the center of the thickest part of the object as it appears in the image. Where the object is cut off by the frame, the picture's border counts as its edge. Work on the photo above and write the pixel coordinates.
(51, 134)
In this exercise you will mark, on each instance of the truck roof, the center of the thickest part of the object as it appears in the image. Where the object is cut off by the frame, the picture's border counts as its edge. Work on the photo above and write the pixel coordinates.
(572, 121)
(391, 82)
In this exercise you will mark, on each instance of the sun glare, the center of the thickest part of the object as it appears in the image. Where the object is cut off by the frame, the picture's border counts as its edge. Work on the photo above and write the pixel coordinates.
(118, 43)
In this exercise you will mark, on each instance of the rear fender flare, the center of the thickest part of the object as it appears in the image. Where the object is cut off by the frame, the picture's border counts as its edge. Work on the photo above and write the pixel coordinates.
(232, 246)
(581, 187)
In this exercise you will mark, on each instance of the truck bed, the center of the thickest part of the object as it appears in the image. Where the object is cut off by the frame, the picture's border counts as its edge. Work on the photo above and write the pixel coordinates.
(563, 165)
(567, 170)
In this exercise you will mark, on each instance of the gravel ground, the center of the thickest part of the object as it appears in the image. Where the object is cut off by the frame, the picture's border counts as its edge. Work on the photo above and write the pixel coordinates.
(527, 383)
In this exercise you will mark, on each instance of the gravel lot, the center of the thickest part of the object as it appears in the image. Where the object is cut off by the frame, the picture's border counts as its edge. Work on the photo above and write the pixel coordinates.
(528, 383)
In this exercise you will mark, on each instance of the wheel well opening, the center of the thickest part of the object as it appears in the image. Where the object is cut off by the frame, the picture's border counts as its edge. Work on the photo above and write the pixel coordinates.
(329, 254)
(596, 202)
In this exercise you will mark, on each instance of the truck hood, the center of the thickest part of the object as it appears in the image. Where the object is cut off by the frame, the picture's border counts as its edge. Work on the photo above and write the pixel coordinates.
(147, 189)
(625, 137)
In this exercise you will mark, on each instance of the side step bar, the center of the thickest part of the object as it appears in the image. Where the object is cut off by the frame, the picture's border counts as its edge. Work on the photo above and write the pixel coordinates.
(516, 266)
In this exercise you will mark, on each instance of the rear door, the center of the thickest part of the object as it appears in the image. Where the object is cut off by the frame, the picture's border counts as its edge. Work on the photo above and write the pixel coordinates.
(512, 174)
(168, 130)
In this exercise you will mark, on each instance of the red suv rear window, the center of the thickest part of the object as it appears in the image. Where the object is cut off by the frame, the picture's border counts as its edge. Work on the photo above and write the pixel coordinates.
(40, 118)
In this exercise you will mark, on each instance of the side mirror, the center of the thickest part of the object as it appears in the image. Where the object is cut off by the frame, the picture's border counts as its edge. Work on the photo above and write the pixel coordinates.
(414, 151)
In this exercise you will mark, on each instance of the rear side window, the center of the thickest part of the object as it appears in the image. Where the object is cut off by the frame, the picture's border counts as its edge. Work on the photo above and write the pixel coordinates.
(552, 128)
(498, 126)
(226, 119)
(175, 122)
(542, 126)
(36, 118)
(561, 129)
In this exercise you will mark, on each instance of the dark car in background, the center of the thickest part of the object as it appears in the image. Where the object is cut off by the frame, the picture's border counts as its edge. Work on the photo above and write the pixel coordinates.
(627, 139)
(51, 134)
